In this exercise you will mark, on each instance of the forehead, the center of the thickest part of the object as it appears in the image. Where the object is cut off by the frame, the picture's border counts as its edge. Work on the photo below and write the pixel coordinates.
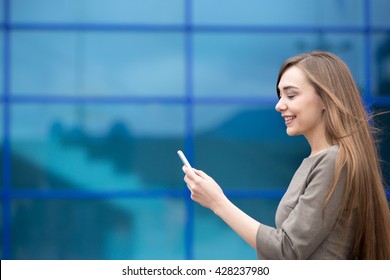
(293, 77)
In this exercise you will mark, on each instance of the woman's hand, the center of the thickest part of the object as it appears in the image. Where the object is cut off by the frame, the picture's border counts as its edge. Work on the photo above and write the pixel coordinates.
(208, 193)
(204, 190)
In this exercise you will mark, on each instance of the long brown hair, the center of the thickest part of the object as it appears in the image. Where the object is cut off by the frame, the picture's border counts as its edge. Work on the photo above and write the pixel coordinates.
(348, 124)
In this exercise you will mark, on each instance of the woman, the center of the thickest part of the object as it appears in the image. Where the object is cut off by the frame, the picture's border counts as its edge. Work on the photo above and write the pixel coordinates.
(335, 206)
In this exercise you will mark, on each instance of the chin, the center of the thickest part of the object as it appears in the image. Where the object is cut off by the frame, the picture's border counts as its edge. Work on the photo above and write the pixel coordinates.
(291, 132)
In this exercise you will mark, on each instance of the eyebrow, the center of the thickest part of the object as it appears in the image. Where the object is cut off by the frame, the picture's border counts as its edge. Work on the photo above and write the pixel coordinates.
(289, 87)
(285, 88)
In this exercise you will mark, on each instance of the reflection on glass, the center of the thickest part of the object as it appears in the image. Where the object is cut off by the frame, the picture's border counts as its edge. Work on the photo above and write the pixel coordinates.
(97, 147)
(94, 63)
(246, 147)
(280, 12)
(381, 65)
(1, 145)
(379, 13)
(98, 11)
(1, 60)
(215, 240)
(109, 147)
(2, 232)
(98, 229)
(241, 64)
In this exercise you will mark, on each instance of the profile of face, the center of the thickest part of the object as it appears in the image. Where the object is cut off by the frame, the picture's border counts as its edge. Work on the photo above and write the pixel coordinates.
(300, 105)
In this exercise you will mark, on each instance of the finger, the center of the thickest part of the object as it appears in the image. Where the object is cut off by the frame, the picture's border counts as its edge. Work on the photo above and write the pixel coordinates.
(185, 169)
(187, 179)
(191, 188)
(189, 172)
(201, 173)
(191, 182)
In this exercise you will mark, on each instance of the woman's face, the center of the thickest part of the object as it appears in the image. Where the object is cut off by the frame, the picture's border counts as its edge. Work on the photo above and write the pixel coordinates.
(300, 105)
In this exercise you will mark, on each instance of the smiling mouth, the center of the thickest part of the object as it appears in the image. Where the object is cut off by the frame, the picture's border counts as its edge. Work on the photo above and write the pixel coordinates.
(289, 118)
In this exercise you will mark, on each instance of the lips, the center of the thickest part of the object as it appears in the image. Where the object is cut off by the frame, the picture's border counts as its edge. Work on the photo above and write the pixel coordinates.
(289, 119)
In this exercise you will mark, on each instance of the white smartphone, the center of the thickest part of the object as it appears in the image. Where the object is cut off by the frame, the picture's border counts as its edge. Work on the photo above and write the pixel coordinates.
(184, 159)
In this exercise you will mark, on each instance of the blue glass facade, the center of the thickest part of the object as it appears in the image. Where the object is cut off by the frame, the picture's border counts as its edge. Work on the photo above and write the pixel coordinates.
(98, 95)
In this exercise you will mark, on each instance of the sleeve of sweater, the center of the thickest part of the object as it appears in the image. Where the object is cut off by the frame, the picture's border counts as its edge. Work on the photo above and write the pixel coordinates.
(306, 226)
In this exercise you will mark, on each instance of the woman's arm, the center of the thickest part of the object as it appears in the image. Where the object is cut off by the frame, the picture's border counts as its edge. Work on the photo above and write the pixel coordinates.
(205, 191)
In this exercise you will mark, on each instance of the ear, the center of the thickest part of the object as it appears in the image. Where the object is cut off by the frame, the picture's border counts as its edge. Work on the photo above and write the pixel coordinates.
(323, 105)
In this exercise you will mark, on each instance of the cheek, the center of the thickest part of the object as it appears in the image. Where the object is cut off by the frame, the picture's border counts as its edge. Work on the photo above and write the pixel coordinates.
(313, 118)
(306, 114)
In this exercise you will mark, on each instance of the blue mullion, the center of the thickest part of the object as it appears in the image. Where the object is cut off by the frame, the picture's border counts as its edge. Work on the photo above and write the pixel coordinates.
(67, 194)
(101, 27)
(6, 192)
(63, 99)
(134, 27)
(281, 29)
(216, 100)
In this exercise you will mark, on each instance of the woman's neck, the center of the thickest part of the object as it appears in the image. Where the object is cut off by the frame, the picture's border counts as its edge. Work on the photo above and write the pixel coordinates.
(318, 143)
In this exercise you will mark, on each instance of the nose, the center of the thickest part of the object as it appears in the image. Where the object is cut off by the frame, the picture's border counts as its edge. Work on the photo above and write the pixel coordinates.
(280, 106)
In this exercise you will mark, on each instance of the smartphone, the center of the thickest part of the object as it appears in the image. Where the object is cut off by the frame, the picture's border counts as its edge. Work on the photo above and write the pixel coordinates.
(184, 159)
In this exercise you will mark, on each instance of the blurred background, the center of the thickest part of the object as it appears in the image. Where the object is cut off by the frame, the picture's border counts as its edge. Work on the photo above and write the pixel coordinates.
(98, 95)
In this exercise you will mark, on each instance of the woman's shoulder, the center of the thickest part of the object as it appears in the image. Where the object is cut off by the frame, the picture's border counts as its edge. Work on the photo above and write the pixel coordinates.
(327, 154)
(325, 159)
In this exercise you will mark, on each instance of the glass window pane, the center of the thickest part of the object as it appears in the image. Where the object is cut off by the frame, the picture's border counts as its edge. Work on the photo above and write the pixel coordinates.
(382, 121)
(2, 230)
(380, 13)
(241, 147)
(1, 62)
(247, 64)
(214, 240)
(95, 63)
(1, 124)
(98, 229)
(279, 12)
(381, 65)
(1, 11)
(2, 146)
(97, 147)
(90, 11)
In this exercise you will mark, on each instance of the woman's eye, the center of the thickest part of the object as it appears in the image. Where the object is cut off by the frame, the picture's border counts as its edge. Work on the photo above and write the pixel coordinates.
(290, 96)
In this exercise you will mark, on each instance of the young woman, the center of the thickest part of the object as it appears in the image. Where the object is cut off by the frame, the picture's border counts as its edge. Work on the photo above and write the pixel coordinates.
(335, 206)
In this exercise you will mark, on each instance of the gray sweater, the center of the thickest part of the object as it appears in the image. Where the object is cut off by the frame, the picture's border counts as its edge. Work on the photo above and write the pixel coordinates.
(303, 230)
